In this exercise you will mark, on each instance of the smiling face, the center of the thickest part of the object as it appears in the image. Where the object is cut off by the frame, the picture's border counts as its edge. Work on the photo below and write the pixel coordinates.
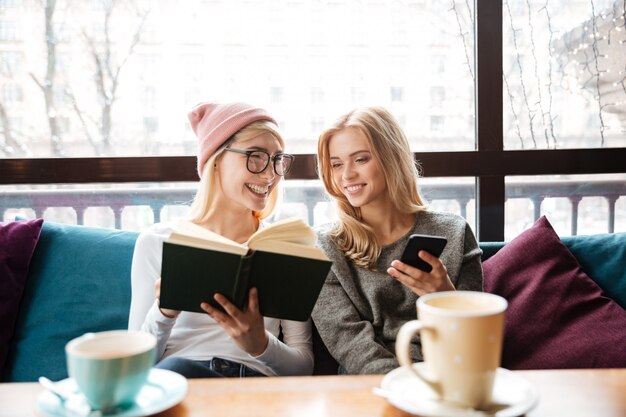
(241, 189)
(355, 171)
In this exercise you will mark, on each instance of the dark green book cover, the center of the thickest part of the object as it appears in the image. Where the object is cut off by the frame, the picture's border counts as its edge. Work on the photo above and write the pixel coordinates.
(288, 285)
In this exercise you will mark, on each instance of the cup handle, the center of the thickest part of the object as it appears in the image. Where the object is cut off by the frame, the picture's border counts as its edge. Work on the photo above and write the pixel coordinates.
(403, 343)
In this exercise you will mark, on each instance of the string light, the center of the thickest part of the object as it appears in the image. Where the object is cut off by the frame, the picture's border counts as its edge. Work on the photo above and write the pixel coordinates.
(590, 45)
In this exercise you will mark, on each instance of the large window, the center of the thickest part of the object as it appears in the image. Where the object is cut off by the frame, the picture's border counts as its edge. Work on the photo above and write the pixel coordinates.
(513, 102)
(306, 61)
(564, 74)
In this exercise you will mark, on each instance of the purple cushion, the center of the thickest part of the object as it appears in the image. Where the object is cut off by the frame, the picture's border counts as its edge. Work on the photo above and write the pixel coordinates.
(558, 317)
(17, 244)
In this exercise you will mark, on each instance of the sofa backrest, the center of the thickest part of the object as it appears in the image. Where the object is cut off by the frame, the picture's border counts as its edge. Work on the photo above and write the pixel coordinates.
(78, 282)
(601, 256)
(490, 249)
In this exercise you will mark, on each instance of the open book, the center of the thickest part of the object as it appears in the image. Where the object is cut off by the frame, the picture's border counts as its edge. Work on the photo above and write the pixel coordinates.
(280, 260)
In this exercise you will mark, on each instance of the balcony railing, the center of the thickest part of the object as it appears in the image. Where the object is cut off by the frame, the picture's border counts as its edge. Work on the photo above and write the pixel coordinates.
(310, 195)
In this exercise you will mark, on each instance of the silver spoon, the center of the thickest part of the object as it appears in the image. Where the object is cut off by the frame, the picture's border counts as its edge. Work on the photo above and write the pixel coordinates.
(71, 400)
(62, 393)
(76, 403)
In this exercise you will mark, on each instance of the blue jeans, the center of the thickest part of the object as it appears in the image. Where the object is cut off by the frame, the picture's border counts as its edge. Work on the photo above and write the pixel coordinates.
(212, 368)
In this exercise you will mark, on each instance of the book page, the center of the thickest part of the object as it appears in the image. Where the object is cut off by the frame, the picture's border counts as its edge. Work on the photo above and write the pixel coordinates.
(190, 234)
(293, 230)
(293, 249)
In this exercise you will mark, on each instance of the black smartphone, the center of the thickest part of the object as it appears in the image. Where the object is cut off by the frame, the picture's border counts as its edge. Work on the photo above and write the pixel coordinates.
(431, 244)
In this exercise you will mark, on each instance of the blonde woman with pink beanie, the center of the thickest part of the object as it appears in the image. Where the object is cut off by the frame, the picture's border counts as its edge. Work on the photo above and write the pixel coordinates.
(240, 163)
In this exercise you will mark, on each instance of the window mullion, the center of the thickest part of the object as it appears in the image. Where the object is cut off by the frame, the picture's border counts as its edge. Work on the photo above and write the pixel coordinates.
(489, 136)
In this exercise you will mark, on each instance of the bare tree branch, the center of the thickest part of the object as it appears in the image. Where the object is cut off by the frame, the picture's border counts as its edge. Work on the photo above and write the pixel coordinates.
(107, 37)
(11, 146)
(107, 71)
(39, 84)
(81, 116)
(48, 84)
(134, 42)
(93, 50)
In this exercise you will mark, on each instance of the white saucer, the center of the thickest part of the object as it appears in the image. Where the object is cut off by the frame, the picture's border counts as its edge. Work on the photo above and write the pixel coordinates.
(163, 390)
(512, 396)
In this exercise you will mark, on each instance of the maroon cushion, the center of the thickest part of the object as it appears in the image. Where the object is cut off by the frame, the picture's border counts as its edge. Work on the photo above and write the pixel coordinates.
(17, 244)
(558, 317)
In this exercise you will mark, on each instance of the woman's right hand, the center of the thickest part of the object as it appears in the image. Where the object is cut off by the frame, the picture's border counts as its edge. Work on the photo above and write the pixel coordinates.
(246, 328)
(421, 282)
(165, 311)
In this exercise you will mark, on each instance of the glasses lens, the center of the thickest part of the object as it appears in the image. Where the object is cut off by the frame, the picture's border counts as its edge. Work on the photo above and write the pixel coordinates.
(257, 161)
(282, 164)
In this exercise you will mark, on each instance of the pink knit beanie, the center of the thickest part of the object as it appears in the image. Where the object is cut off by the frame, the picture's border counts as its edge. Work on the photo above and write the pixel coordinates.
(215, 123)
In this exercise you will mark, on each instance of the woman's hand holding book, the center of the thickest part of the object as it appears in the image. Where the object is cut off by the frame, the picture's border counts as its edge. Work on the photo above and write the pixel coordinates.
(246, 327)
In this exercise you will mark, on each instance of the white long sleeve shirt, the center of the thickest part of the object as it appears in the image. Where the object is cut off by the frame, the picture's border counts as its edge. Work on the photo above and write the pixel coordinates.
(196, 335)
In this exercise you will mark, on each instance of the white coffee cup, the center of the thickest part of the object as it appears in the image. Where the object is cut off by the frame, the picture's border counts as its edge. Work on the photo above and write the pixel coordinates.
(110, 368)
(461, 334)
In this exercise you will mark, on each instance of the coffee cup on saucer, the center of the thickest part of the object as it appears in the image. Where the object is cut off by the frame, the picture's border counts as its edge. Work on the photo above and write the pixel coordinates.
(111, 367)
(461, 334)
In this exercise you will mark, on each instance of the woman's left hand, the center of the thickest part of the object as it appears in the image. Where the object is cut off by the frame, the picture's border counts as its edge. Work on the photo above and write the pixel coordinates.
(420, 282)
(246, 328)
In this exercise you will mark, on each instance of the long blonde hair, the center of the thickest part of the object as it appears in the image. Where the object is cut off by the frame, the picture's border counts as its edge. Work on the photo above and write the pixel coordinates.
(390, 148)
(205, 196)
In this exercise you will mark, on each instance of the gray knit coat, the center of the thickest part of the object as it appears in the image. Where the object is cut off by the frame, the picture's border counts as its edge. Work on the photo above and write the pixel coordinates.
(359, 311)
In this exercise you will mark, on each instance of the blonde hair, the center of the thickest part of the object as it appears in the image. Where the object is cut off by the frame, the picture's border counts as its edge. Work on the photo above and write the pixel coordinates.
(207, 189)
(387, 143)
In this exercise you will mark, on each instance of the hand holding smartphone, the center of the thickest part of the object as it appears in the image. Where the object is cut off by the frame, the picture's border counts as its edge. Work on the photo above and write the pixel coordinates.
(431, 244)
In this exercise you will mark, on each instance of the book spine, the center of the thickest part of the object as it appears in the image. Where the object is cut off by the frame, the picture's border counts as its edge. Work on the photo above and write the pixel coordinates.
(242, 282)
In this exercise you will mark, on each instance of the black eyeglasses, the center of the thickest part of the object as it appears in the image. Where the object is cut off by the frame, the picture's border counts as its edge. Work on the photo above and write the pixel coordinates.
(257, 161)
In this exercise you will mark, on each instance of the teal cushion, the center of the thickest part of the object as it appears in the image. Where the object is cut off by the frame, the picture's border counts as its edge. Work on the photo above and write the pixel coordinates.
(603, 258)
(490, 248)
(79, 282)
